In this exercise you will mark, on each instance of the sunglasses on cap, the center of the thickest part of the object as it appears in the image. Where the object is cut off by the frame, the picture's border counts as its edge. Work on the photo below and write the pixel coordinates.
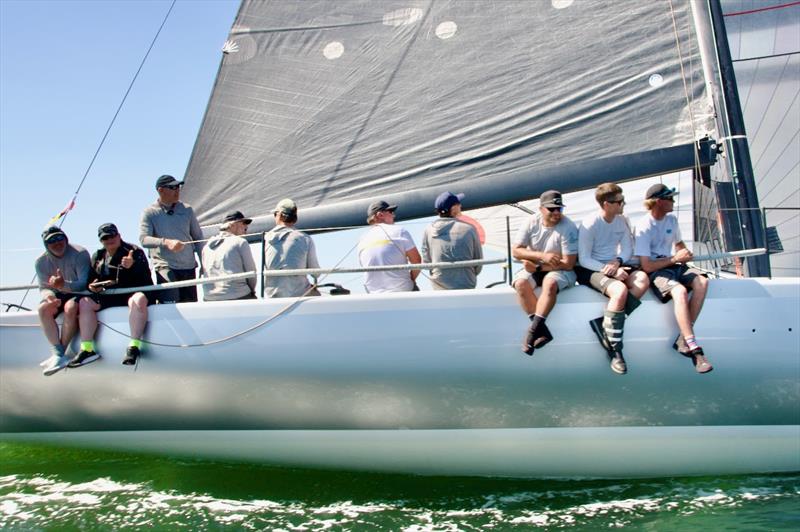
(55, 238)
(555, 209)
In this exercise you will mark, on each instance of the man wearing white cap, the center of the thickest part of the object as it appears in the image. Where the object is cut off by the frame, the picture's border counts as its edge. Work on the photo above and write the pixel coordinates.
(289, 249)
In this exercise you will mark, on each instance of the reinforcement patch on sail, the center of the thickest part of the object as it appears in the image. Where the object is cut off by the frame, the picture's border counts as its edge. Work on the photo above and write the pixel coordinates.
(327, 102)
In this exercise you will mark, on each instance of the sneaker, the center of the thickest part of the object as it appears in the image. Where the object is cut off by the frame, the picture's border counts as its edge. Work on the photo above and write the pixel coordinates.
(701, 363)
(597, 328)
(618, 362)
(680, 345)
(55, 364)
(131, 356)
(83, 358)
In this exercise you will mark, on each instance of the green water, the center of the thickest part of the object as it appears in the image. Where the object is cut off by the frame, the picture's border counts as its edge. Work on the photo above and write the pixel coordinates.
(53, 488)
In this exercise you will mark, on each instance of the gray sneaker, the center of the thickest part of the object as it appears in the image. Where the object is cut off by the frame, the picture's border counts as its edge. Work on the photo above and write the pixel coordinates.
(55, 364)
(618, 362)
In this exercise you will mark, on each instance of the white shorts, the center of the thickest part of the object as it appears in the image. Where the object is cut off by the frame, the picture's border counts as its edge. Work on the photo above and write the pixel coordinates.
(564, 278)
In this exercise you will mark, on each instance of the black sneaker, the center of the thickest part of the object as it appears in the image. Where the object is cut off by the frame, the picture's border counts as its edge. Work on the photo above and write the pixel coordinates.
(618, 362)
(527, 342)
(543, 337)
(83, 358)
(131, 355)
(597, 328)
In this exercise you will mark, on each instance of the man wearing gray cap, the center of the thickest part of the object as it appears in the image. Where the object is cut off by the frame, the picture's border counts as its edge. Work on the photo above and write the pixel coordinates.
(387, 244)
(657, 234)
(289, 249)
(170, 231)
(449, 239)
(61, 270)
(547, 245)
(226, 254)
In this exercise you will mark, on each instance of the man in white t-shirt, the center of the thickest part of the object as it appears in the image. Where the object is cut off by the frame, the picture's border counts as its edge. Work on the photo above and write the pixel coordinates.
(670, 277)
(387, 244)
(605, 245)
(547, 245)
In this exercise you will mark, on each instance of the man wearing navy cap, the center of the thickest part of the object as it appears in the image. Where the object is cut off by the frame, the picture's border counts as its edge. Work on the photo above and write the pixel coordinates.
(170, 231)
(226, 254)
(449, 239)
(670, 278)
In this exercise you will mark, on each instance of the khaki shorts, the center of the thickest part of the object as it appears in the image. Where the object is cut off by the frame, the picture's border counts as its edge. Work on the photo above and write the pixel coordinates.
(564, 278)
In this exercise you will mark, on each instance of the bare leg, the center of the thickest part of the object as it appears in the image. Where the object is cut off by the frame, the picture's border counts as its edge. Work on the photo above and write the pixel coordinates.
(70, 325)
(617, 293)
(47, 319)
(525, 296)
(138, 314)
(547, 299)
(87, 318)
(680, 298)
(699, 290)
(638, 283)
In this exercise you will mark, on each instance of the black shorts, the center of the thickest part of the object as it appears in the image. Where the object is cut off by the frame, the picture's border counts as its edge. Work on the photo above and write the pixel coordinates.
(63, 297)
(119, 300)
(597, 280)
(663, 281)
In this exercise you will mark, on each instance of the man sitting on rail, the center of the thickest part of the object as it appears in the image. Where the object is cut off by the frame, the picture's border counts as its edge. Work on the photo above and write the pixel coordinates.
(451, 240)
(547, 245)
(387, 244)
(61, 270)
(289, 249)
(226, 254)
(670, 277)
(117, 265)
(605, 245)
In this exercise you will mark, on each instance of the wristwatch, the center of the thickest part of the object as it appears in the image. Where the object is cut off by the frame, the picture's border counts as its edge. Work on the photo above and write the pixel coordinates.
(538, 267)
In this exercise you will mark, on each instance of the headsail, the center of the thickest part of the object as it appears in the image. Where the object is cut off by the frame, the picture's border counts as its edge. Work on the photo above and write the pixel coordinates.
(335, 103)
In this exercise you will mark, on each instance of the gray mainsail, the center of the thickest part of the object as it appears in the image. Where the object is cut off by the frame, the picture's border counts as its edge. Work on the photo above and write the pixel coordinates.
(336, 103)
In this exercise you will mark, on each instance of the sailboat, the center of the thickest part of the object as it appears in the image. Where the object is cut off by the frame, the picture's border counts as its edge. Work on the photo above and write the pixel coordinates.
(336, 104)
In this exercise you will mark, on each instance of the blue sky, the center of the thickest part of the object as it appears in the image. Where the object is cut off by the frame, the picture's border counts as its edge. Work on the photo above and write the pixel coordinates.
(64, 67)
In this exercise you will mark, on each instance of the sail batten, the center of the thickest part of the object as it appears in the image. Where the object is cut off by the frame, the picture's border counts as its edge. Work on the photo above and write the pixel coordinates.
(339, 102)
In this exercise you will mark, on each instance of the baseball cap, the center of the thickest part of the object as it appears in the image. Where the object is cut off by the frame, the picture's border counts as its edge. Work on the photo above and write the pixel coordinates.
(446, 200)
(167, 181)
(660, 191)
(53, 234)
(551, 198)
(379, 206)
(107, 229)
(285, 206)
(236, 216)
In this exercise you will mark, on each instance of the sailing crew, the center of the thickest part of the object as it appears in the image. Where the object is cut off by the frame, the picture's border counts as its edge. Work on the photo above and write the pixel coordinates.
(547, 245)
(170, 231)
(657, 235)
(117, 264)
(228, 253)
(605, 247)
(289, 249)
(449, 239)
(387, 244)
(61, 270)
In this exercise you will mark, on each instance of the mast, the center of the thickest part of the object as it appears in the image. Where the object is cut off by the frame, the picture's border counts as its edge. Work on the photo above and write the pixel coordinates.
(741, 208)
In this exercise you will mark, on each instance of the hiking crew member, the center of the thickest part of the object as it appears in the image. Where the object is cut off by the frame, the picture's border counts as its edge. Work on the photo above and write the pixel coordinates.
(605, 245)
(226, 254)
(117, 265)
(289, 249)
(670, 278)
(387, 244)
(61, 270)
(450, 240)
(547, 245)
(165, 228)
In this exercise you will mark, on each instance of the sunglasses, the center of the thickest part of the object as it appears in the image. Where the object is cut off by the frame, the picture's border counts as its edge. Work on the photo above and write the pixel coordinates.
(172, 187)
(555, 209)
(54, 239)
(670, 199)
(107, 237)
(620, 201)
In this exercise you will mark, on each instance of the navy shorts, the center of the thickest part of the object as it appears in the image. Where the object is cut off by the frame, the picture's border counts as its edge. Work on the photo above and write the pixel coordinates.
(663, 281)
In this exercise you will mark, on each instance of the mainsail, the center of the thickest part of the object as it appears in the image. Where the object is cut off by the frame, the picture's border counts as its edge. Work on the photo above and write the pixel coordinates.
(337, 103)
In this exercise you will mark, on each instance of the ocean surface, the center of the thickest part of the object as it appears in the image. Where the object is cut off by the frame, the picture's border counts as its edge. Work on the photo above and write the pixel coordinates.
(54, 488)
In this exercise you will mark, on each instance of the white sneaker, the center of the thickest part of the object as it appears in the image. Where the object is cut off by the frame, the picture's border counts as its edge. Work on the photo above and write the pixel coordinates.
(55, 364)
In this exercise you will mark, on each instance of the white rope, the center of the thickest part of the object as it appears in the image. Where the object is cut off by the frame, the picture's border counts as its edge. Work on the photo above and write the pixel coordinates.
(730, 254)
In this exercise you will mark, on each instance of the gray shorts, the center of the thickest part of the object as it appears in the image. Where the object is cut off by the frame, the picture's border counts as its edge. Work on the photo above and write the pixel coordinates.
(663, 281)
(564, 278)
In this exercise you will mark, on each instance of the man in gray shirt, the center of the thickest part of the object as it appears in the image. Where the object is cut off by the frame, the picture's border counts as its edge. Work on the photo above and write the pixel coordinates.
(61, 270)
(229, 253)
(449, 239)
(288, 249)
(170, 231)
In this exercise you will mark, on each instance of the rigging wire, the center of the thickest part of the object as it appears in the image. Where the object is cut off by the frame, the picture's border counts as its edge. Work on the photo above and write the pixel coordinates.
(760, 9)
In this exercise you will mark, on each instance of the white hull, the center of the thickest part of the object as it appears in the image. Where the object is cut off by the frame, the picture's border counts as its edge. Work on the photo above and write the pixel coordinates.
(431, 383)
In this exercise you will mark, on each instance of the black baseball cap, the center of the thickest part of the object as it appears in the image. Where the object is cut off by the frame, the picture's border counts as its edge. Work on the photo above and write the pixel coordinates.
(551, 198)
(107, 229)
(237, 216)
(167, 181)
(380, 206)
(53, 234)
